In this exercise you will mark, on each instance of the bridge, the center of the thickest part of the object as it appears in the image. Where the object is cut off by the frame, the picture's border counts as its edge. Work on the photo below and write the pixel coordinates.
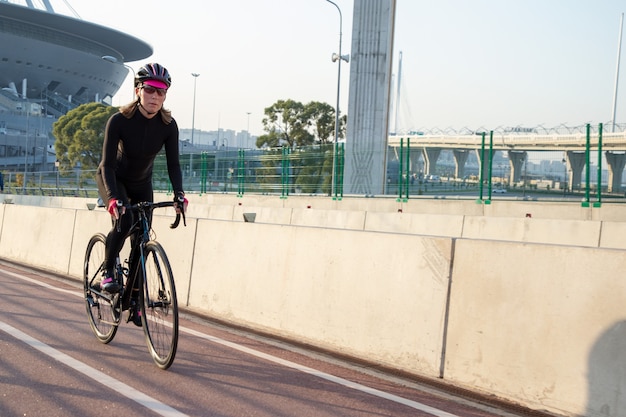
(517, 144)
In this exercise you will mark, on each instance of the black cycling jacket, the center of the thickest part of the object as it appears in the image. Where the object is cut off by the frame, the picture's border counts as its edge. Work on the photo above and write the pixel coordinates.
(129, 149)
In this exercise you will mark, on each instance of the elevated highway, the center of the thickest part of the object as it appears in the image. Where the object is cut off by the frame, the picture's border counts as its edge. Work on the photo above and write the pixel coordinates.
(513, 141)
(517, 145)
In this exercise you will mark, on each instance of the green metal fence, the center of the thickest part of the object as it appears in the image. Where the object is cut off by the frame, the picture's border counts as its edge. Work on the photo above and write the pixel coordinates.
(489, 173)
(319, 170)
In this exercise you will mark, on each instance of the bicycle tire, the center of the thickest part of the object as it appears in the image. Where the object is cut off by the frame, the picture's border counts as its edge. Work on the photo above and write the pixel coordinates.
(159, 306)
(103, 314)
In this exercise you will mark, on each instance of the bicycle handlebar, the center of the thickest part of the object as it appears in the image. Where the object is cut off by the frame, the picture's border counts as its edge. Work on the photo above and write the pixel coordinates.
(150, 205)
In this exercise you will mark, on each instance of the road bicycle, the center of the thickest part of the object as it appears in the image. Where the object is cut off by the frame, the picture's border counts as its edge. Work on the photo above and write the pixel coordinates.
(147, 287)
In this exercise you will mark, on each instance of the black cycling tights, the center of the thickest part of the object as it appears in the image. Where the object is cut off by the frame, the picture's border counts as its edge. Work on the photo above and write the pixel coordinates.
(115, 239)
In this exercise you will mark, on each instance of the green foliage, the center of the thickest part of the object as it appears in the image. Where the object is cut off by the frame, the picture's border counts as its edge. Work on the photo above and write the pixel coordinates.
(79, 136)
(268, 173)
(293, 124)
(315, 173)
(321, 118)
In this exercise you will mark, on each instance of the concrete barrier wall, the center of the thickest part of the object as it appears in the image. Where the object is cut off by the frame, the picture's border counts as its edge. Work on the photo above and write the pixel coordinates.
(37, 236)
(544, 324)
(535, 312)
(379, 297)
(556, 231)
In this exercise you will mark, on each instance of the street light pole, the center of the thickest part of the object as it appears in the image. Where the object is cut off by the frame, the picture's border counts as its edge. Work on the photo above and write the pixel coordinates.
(26, 145)
(338, 58)
(193, 116)
(619, 51)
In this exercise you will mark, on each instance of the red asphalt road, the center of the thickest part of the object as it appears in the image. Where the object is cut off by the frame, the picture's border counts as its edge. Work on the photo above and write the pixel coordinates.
(51, 364)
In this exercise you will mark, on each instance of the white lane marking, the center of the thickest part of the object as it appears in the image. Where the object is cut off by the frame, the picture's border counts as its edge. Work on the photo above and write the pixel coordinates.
(337, 380)
(42, 284)
(305, 369)
(100, 377)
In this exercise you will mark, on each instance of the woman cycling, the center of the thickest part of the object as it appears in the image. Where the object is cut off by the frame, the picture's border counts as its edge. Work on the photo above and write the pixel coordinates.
(133, 138)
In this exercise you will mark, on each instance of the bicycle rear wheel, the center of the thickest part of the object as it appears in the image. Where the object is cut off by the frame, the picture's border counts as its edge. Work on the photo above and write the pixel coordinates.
(159, 306)
(101, 311)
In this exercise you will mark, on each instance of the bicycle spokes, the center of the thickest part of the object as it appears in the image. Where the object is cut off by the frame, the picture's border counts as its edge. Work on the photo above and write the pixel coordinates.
(160, 316)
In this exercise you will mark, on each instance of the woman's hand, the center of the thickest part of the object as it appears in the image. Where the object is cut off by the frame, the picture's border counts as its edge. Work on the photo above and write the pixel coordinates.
(116, 208)
(181, 203)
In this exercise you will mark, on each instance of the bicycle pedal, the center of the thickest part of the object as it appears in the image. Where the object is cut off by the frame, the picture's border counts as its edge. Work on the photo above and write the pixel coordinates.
(91, 301)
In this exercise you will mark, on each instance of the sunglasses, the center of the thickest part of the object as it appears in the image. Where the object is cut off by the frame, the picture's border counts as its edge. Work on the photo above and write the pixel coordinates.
(151, 90)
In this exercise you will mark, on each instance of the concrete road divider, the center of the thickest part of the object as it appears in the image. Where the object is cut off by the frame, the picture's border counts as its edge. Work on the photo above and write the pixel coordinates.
(526, 309)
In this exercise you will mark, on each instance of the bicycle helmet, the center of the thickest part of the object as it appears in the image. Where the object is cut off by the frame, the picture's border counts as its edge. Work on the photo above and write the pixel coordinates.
(154, 72)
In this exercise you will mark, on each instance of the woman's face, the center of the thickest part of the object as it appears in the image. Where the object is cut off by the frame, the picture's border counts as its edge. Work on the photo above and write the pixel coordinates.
(151, 98)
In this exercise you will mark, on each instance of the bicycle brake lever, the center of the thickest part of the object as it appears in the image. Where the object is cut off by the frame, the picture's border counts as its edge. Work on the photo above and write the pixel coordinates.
(176, 221)
(118, 222)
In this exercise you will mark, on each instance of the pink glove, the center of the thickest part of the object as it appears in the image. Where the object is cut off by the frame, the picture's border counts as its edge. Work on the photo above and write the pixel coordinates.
(114, 210)
(185, 204)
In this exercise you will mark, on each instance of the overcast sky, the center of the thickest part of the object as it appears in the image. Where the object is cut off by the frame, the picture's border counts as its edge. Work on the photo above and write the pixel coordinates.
(478, 63)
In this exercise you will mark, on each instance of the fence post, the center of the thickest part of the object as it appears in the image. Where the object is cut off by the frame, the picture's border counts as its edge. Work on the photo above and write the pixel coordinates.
(408, 166)
(490, 169)
(241, 173)
(599, 202)
(203, 172)
(337, 193)
(284, 172)
(481, 169)
(400, 170)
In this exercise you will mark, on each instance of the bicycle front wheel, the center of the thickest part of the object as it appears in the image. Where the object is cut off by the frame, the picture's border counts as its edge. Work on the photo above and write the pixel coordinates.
(159, 306)
(101, 312)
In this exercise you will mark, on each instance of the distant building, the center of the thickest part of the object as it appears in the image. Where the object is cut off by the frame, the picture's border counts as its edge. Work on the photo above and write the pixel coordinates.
(49, 64)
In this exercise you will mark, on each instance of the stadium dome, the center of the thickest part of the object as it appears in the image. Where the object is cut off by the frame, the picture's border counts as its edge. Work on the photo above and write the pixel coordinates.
(57, 59)
(51, 63)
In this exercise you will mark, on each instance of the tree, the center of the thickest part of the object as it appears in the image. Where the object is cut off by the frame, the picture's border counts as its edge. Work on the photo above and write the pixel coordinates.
(321, 119)
(292, 124)
(286, 124)
(79, 135)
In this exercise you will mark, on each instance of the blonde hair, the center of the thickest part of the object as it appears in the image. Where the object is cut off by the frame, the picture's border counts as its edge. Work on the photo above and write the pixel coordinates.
(129, 110)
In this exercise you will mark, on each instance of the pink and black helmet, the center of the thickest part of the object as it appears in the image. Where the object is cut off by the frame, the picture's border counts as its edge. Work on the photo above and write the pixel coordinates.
(154, 72)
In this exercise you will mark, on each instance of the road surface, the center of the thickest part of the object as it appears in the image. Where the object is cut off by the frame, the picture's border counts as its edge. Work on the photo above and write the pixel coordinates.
(52, 365)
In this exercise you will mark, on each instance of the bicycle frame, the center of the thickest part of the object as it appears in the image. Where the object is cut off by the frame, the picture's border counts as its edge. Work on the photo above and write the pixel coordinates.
(139, 235)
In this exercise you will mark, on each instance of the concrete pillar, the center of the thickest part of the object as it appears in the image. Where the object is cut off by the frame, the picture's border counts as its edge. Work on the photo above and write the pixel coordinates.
(516, 160)
(415, 161)
(430, 159)
(368, 102)
(575, 164)
(616, 163)
(460, 158)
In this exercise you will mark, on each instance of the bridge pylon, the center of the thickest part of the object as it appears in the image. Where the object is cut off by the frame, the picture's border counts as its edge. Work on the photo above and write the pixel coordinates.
(460, 158)
(575, 163)
(616, 163)
(517, 159)
(430, 159)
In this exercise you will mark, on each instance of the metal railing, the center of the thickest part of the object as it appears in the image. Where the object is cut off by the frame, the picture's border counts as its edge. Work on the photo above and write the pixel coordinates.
(542, 174)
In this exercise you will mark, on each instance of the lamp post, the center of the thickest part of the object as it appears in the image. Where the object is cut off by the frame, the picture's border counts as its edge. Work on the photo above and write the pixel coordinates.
(193, 116)
(26, 145)
(114, 60)
(619, 50)
(337, 58)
